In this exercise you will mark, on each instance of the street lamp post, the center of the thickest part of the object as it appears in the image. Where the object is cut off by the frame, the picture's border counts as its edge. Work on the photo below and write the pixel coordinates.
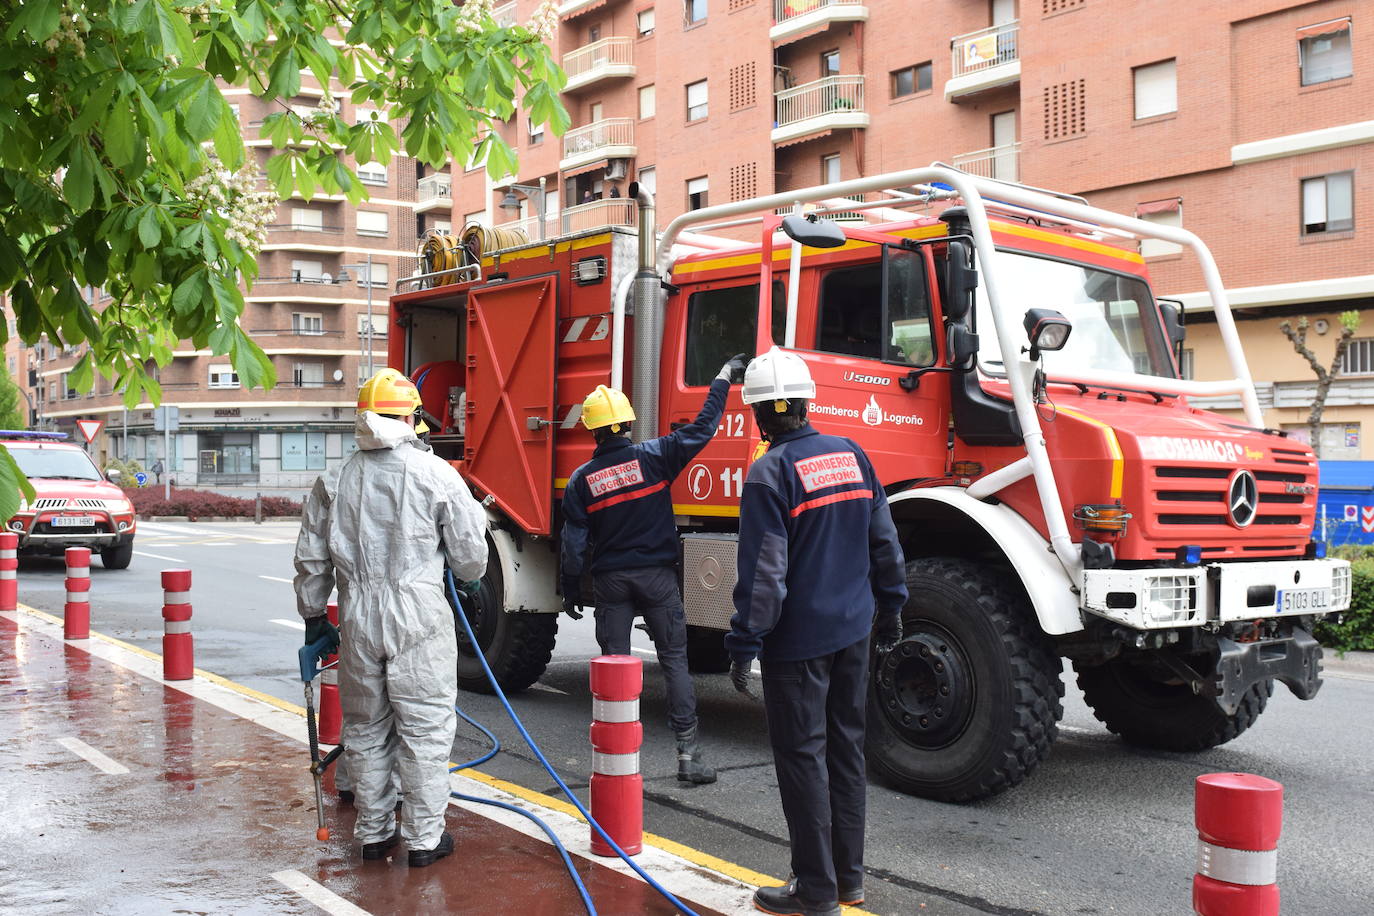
(511, 202)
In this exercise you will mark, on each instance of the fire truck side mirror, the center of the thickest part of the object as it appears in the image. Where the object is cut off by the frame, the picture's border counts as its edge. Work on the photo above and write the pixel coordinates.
(812, 232)
(1173, 321)
(960, 281)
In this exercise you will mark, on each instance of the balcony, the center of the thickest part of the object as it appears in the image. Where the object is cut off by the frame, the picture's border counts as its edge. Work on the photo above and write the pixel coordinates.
(434, 192)
(304, 227)
(795, 18)
(609, 58)
(983, 60)
(829, 103)
(1000, 162)
(611, 138)
(504, 15)
(599, 214)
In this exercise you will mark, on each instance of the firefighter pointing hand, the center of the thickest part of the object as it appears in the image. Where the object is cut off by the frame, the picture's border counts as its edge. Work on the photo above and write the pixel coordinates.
(818, 556)
(618, 526)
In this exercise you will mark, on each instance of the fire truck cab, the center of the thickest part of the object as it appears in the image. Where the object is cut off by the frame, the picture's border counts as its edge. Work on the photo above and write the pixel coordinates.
(998, 353)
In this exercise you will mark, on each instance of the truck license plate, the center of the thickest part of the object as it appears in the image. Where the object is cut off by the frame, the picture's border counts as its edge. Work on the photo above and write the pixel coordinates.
(73, 521)
(1304, 600)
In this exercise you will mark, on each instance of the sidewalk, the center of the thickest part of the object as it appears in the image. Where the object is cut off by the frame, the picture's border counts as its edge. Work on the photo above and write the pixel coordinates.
(124, 793)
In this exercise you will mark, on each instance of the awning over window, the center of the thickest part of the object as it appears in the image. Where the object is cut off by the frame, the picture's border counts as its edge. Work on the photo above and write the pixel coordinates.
(583, 169)
(1332, 27)
(805, 138)
(585, 9)
(1172, 205)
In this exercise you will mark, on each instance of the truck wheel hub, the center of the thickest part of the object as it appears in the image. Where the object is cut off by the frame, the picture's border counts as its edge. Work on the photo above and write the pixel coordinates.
(925, 688)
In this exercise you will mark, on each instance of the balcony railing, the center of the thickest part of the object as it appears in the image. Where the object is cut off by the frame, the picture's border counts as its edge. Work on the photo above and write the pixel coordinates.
(293, 332)
(608, 138)
(791, 17)
(827, 103)
(599, 214)
(504, 15)
(609, 57)
(303, 227)
(434, 192)
(1000, 162)
(983, 60)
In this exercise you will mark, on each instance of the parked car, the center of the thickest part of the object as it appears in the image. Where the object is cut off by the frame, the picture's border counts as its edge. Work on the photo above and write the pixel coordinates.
(74, 506)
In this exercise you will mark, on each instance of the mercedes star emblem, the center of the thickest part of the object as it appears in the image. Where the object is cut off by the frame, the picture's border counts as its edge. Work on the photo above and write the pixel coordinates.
(1242, 498)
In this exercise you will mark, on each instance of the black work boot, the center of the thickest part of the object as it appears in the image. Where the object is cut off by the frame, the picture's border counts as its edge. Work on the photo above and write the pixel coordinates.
(783, 901)
(378, 850)
(691, 766)
(419, 858)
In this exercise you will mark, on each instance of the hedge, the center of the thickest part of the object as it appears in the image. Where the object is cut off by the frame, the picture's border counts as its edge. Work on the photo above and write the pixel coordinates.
(148, 501)
(1355, 631)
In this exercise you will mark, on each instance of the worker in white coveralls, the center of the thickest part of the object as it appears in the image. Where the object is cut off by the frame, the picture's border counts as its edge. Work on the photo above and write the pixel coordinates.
(385, 522)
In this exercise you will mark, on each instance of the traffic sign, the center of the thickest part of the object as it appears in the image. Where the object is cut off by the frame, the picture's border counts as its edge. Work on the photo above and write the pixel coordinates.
(89, 428)
(141, 477)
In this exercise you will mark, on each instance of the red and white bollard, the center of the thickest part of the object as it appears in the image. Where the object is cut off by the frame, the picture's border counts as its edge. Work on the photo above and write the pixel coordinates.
(1239, 817)
(9, 571)
(178, 658)
(331, 715)
(76, 613)
(617, 788)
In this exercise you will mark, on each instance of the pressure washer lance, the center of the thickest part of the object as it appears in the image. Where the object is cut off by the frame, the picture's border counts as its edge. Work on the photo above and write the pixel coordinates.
(308, 656)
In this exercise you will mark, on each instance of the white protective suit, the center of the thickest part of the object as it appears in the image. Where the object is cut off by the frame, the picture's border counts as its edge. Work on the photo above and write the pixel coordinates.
(384, 523)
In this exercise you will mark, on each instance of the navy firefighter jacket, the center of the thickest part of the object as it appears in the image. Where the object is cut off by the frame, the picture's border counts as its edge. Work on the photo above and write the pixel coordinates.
(617, 507)
(817, 551)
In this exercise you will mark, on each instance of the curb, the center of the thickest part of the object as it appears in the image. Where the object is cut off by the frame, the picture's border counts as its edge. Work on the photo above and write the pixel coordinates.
(1349, 662)
(218, 518)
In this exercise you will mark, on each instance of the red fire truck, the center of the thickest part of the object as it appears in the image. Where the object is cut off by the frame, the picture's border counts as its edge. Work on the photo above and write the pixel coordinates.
(998, 352)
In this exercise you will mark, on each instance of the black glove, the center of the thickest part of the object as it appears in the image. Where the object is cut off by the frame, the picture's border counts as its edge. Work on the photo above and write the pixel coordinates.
(572, 590)
(739, 676)
(318, 627)
(572, 608)
(887, 632)
(733, 370)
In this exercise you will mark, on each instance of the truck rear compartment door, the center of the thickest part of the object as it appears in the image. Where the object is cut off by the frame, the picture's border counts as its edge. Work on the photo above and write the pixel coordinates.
(511, 368)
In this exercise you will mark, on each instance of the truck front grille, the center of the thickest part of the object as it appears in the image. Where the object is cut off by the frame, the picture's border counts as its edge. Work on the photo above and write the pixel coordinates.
(1190, 508)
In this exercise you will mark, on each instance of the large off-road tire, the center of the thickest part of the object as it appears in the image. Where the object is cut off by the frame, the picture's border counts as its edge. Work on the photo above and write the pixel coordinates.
(706, 651)
(117, 557)
(517, 646)
(968, 704)
(1149, 712)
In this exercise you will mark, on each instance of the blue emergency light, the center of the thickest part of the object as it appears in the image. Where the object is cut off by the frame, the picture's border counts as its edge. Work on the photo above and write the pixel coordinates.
(31, 434)
(1189, 554)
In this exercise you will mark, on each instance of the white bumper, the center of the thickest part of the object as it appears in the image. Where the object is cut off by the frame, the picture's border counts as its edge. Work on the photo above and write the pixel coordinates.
(1148, 599)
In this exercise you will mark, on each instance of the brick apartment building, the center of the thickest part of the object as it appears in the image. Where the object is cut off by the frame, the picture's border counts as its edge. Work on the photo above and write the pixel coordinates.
(308, 310)
(1249, 122)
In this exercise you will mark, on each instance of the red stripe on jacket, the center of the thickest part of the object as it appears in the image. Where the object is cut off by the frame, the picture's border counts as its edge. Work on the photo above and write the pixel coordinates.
(831, 499)
(626, 497)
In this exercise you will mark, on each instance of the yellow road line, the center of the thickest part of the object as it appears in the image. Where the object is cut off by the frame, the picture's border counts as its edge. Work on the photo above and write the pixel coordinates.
(695, 856)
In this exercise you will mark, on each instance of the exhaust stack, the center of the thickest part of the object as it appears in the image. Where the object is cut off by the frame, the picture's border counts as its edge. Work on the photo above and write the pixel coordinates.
(648, 321)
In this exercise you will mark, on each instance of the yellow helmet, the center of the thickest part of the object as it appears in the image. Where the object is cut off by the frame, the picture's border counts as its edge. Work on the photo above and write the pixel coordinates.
(389, 392)
(607, 407)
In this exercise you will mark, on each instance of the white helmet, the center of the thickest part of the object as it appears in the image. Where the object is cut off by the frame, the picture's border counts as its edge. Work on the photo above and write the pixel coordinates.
(777, 376)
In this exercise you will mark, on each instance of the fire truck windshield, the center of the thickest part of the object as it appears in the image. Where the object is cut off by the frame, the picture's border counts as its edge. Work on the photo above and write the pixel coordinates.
(1115, 322)
(54, 463)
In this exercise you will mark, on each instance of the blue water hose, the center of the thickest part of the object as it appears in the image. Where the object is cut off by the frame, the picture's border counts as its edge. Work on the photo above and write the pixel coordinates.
(520, 726)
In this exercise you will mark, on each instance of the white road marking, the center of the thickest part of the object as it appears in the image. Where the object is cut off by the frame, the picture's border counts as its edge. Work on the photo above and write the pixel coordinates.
(156, 556)
(1348, 675)
(547, 689)
(91, 755)
(278, 579)
(293, 624)
(318, 894)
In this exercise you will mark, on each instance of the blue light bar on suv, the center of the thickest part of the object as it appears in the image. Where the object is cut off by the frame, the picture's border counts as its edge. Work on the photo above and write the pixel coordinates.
(31, 434)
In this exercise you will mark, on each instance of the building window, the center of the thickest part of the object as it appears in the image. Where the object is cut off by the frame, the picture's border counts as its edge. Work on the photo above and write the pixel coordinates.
(305, 219)
(594, 33)
(304, 323)
(378, 326)
(223, 377)
(696, 100)
(830, 62)
(308, 375)
(1328, 203)
(648, 179)
(646, 101)
(536, 132)
(911, 80)
(694, 10)
(364, 115)
(645, 19)
(479, 217)
(696, 193)
(830, 168)
(1161, 213)
(1156, 89)
(371, 173)
(1185, 365)
(1359, 357)
(68, 392)
(375, 274)
(307, 271)
(302, 451)
(371, 222)
(1324, 52)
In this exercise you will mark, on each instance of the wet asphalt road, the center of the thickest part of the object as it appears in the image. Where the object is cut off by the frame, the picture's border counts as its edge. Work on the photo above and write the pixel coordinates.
(1099, 829)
